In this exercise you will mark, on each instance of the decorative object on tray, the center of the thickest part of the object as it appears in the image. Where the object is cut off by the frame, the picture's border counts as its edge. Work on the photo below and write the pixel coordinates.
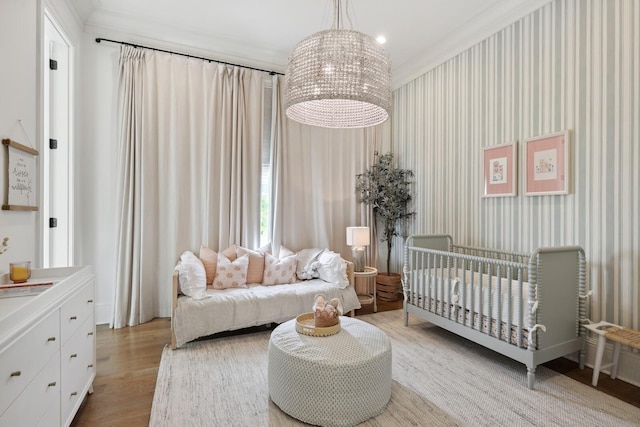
(326, 313)
(324, 320)
(306, 325)
(19, 272)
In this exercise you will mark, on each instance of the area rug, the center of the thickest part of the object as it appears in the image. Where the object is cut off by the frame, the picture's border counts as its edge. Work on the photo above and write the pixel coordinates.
(439, 379)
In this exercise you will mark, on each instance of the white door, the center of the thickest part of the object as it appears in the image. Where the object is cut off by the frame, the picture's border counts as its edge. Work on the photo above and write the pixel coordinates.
(57, 215)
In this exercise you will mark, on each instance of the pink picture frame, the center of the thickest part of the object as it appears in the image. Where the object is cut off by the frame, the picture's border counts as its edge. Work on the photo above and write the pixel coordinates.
(546, 164)
(500, 170)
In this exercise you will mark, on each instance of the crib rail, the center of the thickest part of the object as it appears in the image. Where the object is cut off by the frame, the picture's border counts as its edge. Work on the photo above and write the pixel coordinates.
(520, 257)
(468, 286)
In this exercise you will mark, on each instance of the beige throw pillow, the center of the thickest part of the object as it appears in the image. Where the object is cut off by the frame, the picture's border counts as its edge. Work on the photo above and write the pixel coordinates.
(256, 264)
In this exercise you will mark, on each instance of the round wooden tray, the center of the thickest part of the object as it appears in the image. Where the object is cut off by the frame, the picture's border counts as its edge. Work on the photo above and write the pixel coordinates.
(305, 324)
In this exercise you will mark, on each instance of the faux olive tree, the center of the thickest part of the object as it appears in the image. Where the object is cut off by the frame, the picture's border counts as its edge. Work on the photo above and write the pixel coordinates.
(388, 190)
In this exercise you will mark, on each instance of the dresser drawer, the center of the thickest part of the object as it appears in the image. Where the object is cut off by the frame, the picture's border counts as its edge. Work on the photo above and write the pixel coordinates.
(75, 311)
(25, 357)
(44, 391)
(77, 366)
(51, 418)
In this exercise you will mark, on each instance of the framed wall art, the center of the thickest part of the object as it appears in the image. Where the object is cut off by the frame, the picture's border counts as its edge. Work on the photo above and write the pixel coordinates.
(546, 164)
(500, 163)
(21, 177)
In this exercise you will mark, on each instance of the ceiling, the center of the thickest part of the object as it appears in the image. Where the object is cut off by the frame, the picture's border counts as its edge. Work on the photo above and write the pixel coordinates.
(260, 33)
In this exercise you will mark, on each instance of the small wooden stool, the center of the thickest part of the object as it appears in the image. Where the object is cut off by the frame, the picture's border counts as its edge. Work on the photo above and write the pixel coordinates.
(617, 334)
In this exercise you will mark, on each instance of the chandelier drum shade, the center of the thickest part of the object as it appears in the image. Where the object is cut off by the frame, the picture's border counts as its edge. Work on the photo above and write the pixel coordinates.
(338, 78)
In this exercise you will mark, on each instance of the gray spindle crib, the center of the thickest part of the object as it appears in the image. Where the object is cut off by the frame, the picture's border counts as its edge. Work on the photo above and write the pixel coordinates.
(528, 307)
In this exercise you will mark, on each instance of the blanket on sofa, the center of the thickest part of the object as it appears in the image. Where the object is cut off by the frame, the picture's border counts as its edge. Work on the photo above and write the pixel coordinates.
(236, 308)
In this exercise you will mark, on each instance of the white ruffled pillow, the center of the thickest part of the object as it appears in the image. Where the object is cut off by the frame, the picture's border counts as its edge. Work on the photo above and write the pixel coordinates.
(192, 276)
(333, 269)
(231, 274)
(279, 271)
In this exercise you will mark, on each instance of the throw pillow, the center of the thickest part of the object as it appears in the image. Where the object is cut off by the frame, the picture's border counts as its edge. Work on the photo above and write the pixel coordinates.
(306, 268)
(279, 271)
(285, 252)
(256, 264)
(191, 276)
(231, 274)
(209, 259)
(230, 253)
(333, 269)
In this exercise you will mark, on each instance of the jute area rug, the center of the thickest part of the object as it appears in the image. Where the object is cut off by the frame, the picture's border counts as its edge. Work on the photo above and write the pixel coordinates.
(439, 379)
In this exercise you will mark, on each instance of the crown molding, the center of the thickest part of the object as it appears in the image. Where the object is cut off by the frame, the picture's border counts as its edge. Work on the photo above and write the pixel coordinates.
(481, 27)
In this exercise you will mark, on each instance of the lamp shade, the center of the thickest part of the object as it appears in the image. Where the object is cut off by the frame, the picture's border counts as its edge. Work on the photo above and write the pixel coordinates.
(338, 79)
(358, 236)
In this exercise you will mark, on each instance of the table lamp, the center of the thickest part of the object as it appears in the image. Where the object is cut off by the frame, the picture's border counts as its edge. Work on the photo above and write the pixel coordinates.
(358, 238)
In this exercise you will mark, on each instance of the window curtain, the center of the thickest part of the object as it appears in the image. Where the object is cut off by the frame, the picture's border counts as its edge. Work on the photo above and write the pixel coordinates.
(314, 180)
(189, 170)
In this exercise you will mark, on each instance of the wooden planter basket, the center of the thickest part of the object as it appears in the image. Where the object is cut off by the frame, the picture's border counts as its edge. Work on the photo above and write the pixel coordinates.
(389, 286)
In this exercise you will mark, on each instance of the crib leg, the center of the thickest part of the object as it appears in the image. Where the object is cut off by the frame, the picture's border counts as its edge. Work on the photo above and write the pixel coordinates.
(531, 377)
(406, 318)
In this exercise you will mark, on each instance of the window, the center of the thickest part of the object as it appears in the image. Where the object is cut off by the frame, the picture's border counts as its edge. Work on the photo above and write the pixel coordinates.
(265, 183)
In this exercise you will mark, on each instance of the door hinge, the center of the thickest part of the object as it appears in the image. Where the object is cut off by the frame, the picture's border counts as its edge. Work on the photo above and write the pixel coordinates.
(53, 64)
(53, 144)
(53, 222)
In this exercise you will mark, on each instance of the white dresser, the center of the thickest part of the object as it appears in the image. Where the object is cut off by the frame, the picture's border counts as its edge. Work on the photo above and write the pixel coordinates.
(47, 349)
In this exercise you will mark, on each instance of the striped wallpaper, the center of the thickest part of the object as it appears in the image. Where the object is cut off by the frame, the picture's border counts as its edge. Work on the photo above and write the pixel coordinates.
(573, 64)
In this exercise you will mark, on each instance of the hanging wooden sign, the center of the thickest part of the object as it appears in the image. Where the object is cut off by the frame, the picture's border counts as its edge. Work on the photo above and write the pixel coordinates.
(21, 177)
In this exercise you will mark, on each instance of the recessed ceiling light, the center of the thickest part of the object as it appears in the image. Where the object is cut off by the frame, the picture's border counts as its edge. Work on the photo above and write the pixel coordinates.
(381, 39)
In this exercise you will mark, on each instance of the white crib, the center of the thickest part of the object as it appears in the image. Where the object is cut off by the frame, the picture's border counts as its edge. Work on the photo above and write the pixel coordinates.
(529, 307)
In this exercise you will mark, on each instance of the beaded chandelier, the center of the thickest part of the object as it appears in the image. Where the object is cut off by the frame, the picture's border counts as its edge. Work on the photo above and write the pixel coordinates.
(338, 78)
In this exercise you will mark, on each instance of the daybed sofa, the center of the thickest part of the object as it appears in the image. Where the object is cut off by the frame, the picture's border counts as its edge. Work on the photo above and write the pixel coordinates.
(276, 289)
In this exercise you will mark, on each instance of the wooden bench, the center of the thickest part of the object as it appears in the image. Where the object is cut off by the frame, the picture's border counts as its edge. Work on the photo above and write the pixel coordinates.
(620, 336)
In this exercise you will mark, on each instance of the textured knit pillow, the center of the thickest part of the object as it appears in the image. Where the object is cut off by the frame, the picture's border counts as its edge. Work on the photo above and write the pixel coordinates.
(333, 269)
(279, 271)
(231, 274)
(256, 264)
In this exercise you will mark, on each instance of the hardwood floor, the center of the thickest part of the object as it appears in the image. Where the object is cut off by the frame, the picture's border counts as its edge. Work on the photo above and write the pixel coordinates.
(128, 361)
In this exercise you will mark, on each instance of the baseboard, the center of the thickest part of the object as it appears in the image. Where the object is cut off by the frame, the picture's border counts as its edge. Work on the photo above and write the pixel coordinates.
(103, 314)
(628, 363)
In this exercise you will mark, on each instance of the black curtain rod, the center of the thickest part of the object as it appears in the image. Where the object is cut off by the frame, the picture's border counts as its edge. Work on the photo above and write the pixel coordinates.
(100, 39)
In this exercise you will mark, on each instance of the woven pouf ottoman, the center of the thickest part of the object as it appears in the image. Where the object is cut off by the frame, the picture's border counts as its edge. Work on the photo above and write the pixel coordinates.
(338, 380)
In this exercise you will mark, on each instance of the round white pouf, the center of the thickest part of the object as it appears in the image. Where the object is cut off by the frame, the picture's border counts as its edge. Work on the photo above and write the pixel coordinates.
(339, 380)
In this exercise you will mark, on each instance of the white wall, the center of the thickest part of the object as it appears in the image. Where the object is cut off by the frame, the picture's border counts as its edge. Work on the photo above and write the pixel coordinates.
(18, 86)
(96, 157)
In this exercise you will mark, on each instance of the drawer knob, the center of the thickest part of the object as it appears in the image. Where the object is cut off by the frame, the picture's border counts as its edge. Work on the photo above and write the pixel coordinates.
(90, 366)
(74, 355)
(90, 333)
(53, 384)
(51, 339)
(73, 317)
(75, 393)
(89, 301)
(16, 373)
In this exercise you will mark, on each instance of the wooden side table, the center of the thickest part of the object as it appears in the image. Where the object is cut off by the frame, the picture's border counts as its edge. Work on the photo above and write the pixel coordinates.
(365, 284)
